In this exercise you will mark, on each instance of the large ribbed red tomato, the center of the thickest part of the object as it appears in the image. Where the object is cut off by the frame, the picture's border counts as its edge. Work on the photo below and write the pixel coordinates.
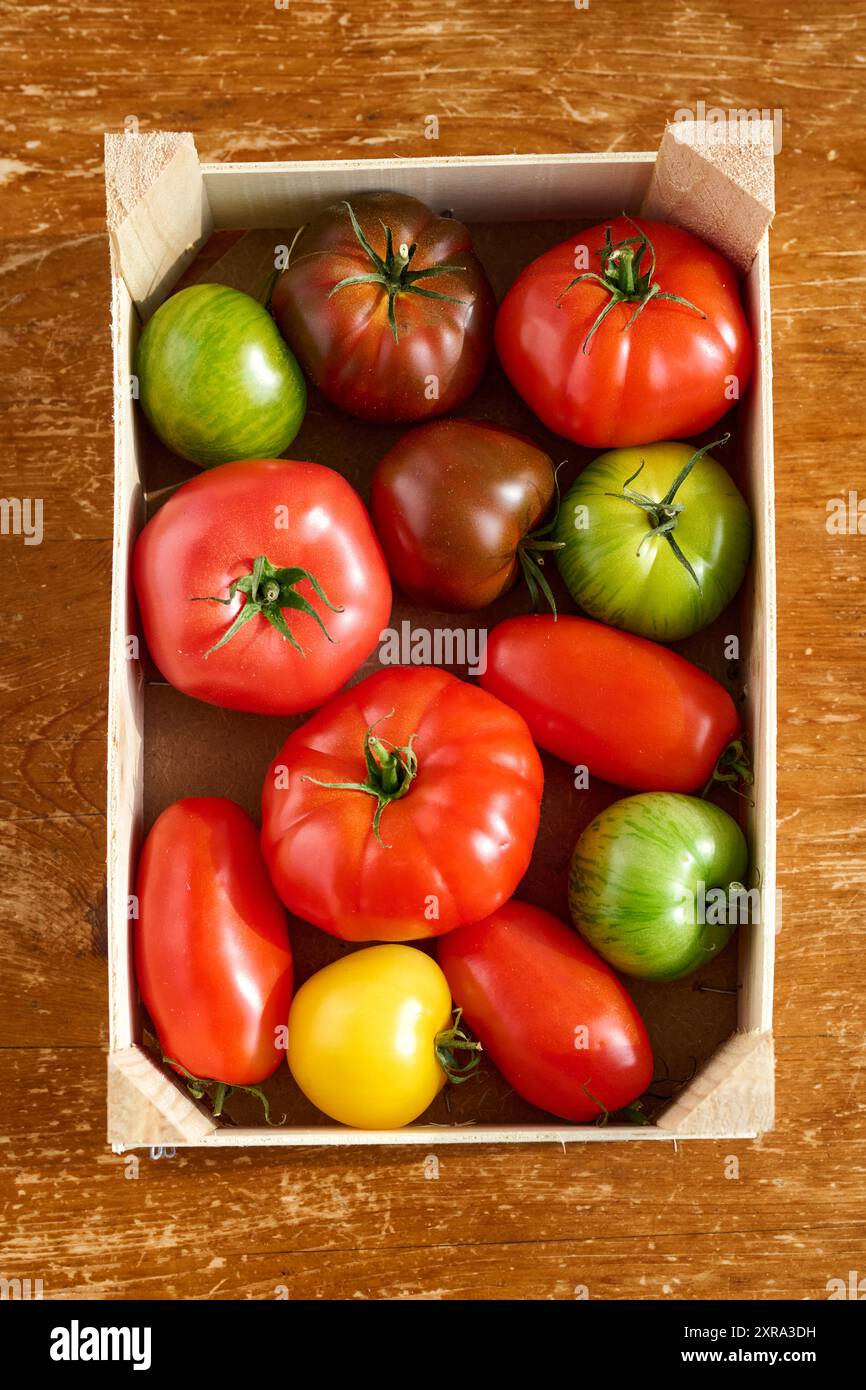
(212, 953)
(405, 807)
(626, 333)
(549, 1012)
(387, 308)
(261, 585)
(631, 711)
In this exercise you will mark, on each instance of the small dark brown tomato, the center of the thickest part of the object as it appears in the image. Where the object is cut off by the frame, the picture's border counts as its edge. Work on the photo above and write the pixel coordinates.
(455, 504)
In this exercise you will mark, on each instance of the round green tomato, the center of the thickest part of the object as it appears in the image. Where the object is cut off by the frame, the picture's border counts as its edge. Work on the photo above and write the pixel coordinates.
(656, 540)
(215, 379)
(644, 883)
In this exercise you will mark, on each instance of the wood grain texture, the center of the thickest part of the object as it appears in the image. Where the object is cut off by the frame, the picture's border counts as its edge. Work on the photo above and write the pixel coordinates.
(326, 80)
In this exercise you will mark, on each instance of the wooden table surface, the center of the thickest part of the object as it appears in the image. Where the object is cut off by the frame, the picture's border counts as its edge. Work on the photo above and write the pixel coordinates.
(321, 79)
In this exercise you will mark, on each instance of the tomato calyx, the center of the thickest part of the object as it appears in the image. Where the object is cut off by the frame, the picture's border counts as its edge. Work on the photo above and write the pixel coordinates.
(664, 514)
(531, 552)
(393, 272)
(268, 591)
(622, 278)
(199, 1087)
(456, 1039)
(391, 770)
(732, 767)
(633, 1114)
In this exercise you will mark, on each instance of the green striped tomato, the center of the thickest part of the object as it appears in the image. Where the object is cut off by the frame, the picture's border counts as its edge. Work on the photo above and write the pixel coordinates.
(215, 378)
(644, 880)
(650, 550)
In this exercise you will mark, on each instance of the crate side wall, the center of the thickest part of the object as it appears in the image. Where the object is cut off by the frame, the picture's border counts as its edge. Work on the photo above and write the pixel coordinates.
(493, 189)
(757, 941)
(126, 683)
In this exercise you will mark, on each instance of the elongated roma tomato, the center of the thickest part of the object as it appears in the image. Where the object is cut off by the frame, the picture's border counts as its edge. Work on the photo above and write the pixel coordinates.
(628, 332)
(261, 585)
(549, 1012)
(405, 807)
(371, 1041)
(212, 952)
(631, 711)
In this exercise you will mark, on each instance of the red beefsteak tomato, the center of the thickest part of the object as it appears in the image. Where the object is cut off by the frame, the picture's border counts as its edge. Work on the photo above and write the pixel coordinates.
(212, 952)
(626, 333)
(631, 711)
(550, 1014)
(387, 308)
(405, 807)
(261, 585)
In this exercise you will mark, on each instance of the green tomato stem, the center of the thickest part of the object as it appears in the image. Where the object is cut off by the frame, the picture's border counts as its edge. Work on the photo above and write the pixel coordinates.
(268, 592)
(265, 294)
(391, 770)
(456, 1039)
(198, 1087)
(392, 272)
(531, 551)
(621, 277)
(664, 515)
(732, 767)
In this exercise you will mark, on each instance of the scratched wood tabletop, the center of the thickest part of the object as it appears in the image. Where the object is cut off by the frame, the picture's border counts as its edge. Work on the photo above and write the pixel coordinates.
(323, 79)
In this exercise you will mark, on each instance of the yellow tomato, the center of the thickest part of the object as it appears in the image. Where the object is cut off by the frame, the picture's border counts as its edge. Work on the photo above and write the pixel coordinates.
(363, 1034)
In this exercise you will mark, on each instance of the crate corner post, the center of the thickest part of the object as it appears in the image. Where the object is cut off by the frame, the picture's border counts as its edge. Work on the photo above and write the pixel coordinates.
(731, 1097)
(146, 1108)
(698, 171)
(157, 211)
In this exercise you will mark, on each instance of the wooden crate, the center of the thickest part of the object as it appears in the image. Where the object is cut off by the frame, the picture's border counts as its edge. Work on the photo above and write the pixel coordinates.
(163, 207)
